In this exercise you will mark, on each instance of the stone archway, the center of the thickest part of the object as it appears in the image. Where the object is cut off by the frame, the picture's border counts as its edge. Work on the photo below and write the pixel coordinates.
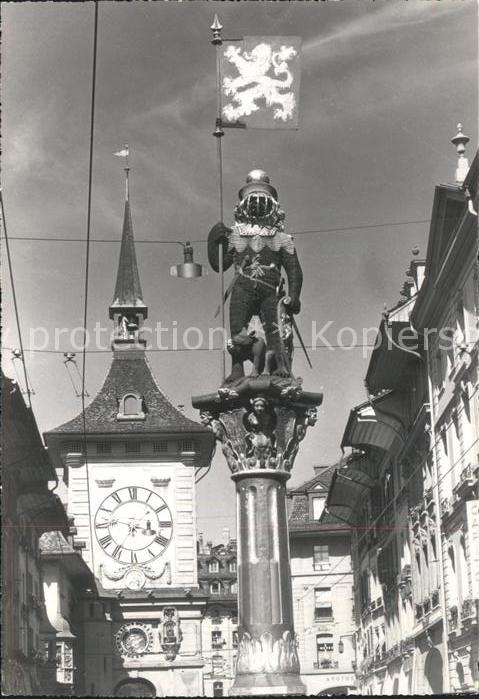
(433, 671)
(135, 688)
(336, 691)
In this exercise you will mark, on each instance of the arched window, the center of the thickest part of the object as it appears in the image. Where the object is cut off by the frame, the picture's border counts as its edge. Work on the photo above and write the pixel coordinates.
(234, 588)
(213, 566)
(135, 688)
(217, 689)
(215, 587)
(130, 407)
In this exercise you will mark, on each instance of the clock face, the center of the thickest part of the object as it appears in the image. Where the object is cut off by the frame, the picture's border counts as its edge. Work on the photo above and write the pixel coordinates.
(133, 639)
(133, 525)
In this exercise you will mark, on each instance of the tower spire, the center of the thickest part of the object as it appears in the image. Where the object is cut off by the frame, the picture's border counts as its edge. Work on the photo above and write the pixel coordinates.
(128, 310)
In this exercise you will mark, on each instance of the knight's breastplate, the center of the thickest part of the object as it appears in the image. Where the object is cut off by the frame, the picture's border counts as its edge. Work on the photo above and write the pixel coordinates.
(262, 268)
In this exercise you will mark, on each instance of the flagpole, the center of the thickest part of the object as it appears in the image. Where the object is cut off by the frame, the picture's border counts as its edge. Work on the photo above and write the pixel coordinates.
(218, 133)
(127, 173)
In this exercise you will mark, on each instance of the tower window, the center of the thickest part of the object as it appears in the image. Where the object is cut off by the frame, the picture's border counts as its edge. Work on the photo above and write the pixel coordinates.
(132, 447)
(131, 407)
(186, 445)
(74, 447)
(160, 446)
(103, 448)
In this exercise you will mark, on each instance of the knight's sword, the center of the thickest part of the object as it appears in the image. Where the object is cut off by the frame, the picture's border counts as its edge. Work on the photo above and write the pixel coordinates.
(293, 322)
(296, 329)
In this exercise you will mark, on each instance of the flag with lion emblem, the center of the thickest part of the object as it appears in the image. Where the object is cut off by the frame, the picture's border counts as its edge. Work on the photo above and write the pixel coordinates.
(260, 82)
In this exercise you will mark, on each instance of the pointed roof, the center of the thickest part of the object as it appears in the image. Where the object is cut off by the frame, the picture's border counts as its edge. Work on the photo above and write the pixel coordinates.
(130, 373)
(128, 291)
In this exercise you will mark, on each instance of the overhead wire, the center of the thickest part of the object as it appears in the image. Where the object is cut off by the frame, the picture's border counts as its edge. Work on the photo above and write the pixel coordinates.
(318, 231)
(15, 303)
(87, 264)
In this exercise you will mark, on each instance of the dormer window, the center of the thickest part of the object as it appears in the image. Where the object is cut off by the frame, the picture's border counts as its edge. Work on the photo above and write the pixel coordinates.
(130, 407)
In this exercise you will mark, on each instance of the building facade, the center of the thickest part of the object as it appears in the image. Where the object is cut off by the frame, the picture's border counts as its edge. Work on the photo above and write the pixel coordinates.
(448, 305)
(30, 508)
(409, 483)
(217, 572)
(128, 466)
(322, 576)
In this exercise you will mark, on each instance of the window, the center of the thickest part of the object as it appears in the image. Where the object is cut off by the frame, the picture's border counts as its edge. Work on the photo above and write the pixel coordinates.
(234, 588)
(103, 448)
(215, 588)
(235, 639)
(131, 405)
(323, 607)
(75, 447)
(324, 642)
(213, 566)
(324, 648)
(186, 445)
(160, 446)
(217, 689)
(318, 507)
(232, 566)
(216, 639)
(320, 556)
(132, 447)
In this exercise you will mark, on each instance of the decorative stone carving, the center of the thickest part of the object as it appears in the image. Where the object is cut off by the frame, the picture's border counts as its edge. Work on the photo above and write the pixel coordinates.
(135, 576)
(261, 430)
(267, 654)
(170, 633)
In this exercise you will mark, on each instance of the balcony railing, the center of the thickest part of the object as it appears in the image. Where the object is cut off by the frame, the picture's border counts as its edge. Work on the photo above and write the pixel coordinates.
(469, 609)
(453, 618)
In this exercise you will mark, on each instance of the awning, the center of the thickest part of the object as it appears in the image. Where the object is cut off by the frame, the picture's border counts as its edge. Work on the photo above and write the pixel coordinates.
(398, 345)
(346, 493)
(373, 424)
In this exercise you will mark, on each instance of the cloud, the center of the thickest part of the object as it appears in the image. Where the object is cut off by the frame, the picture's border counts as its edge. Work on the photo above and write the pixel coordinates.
(372, 22)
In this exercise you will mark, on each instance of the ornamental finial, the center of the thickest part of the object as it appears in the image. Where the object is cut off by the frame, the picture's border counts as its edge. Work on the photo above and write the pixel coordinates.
(460, 140)
(216, 28)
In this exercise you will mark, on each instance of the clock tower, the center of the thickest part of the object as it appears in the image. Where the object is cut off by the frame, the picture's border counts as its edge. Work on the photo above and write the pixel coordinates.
(128, 464)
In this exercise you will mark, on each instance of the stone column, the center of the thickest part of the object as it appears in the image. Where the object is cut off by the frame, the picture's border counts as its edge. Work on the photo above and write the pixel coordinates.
(259, 428)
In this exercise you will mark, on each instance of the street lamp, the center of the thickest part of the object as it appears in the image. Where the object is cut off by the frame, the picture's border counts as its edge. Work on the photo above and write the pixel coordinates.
(188, 269)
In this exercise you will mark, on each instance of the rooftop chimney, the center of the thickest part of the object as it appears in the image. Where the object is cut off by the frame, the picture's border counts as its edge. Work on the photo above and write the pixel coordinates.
(226, 536)
(460, 141)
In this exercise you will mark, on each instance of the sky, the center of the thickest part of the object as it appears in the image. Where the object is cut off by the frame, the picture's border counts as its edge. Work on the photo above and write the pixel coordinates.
(383, 85)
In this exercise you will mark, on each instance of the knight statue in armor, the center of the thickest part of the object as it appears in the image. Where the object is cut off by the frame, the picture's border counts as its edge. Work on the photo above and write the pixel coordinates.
(259, 248)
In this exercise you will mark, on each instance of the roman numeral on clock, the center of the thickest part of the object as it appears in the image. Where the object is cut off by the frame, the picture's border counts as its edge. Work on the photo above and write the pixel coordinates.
(117, 552)
(102, 525)
(133, 491)
(162, 540)
(160, 508)
(105, 540)
(134, 558)
(165, 523)
(116, 497)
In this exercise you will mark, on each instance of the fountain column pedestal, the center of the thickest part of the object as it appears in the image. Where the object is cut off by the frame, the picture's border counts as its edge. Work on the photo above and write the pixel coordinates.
(260, 424)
